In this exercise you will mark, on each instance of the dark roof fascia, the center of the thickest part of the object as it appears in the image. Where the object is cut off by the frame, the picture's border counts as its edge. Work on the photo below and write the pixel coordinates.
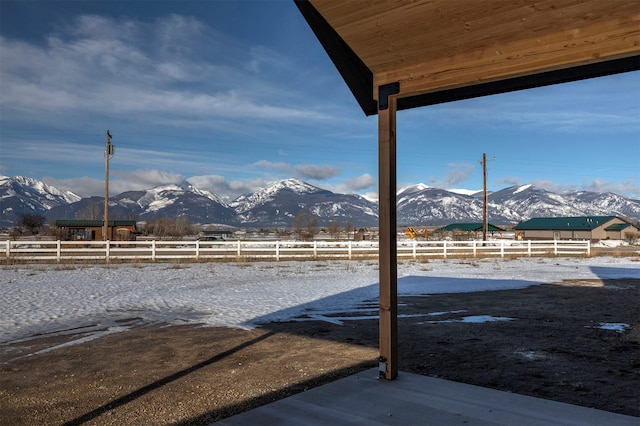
(359, 77)
(549, 78)
(93, 222)
(617, 227)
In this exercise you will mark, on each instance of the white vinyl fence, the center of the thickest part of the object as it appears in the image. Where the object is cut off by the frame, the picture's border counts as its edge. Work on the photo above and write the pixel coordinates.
(277, 250)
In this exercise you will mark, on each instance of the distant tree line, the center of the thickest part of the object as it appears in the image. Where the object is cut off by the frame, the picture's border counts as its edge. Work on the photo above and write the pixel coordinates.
(165, 227)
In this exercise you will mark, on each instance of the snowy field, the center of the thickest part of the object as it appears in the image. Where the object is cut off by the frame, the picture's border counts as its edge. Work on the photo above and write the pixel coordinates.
(52, 299)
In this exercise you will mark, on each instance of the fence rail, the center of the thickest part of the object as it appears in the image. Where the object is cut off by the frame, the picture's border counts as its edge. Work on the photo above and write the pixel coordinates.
(278, 250)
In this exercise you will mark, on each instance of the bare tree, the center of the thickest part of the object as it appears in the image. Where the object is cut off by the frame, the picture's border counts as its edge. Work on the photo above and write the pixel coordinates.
(32, 222)
(632, 237)
(165, 227)
(348, 228)
(92, 211)
(334, 229)
(298, 223)
(161, 227)
(305, 224)
(183, 226)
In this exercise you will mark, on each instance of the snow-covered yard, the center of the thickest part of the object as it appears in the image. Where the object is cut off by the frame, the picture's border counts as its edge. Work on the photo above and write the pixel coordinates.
(42, 299)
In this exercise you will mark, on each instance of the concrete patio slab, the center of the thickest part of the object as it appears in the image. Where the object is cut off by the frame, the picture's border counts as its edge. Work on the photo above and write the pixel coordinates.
(412, 399)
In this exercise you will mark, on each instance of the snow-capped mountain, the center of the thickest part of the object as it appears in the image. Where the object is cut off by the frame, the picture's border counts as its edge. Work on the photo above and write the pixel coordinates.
(275, 205)
(19, 195)
(526, 201)
(260, 197)
(605, 203)
(278, 204)
(425, 205)
(166, 201)
(162, 197)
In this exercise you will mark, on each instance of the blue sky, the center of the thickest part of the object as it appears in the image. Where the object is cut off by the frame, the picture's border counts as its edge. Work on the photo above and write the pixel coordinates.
(231, 95)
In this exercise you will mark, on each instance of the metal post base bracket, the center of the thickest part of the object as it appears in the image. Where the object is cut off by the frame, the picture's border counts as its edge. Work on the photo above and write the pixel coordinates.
(382, 367)
(384, 92)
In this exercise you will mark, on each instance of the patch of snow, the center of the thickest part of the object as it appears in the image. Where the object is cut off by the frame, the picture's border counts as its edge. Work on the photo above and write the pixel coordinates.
(522, 188)
(532, 355)
(464, 191)
(614, 326)
(474, 319)
(610, 243)
(46, 299)
(479, 319)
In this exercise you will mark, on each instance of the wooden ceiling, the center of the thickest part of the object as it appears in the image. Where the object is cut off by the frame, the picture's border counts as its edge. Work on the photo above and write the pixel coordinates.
(431, 46)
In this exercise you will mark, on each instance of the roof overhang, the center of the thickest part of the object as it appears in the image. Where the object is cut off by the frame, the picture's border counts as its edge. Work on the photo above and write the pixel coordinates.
(409, 53)
(443, 50)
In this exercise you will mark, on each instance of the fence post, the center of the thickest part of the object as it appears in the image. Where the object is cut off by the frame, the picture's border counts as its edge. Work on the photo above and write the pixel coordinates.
(315, 248)
(501, 248)
(197, 249)
(107, 250)
(277, 250)
(444, 248)
(475, 248)
(153, 250)
(555, 247)
(349, 246)
(239, 251)
(58, 250)
(588, 248)
(415, 255)
(8, 250)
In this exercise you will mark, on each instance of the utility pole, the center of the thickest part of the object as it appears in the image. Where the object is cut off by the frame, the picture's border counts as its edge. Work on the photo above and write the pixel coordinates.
(108, 154)
(484, 203)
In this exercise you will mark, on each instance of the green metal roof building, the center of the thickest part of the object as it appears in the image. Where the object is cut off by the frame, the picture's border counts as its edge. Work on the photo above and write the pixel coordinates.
(468, 227)
(467, 231)
(574, 227)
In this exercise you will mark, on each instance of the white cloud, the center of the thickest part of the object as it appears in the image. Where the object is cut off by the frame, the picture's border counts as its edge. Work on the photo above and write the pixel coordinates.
(456, 173)
(360, 183)
(508, 180)
(371, 196)
(629, 187)
(262, 56)
(220, 186)
(83, 186)
(119, 182)
(553, 186)
(280, 167)
(300, 171)
(155, 70)
(144, 179)
(315, 172)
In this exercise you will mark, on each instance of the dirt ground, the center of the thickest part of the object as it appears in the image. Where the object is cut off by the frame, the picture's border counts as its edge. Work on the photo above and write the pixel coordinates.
(553, 347)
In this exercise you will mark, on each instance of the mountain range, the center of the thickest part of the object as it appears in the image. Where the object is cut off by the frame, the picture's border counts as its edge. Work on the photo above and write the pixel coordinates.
(278, 204)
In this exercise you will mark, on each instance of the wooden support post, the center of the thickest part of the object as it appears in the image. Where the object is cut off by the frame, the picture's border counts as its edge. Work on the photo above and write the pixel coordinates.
(388, 365)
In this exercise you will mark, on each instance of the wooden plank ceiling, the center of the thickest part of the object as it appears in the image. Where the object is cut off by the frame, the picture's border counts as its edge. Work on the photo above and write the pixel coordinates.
(437, 45)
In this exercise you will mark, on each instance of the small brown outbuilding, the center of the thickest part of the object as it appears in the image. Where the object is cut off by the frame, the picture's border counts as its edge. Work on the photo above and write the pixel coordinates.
(88, 230)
